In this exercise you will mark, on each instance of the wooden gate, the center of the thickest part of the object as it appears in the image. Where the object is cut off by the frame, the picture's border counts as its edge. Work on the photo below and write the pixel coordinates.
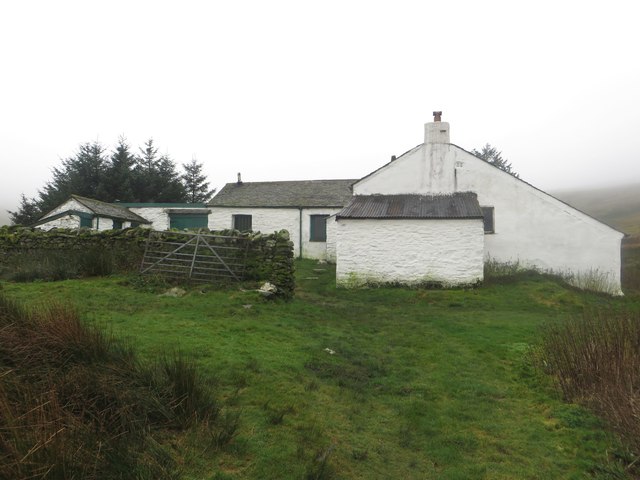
(195, 257)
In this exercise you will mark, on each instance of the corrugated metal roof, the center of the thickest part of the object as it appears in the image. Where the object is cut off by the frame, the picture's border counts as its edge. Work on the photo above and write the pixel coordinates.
(301, 193)
(109, 210)
(457, 205)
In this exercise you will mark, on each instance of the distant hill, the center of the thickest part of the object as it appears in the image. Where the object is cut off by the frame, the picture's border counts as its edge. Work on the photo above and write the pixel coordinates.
(616, 206)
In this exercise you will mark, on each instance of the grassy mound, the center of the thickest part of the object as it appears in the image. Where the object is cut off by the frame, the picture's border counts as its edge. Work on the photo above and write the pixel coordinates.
(75, 403)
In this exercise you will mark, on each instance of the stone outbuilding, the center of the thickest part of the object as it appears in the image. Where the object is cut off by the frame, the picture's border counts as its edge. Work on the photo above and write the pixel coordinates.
(411, 239)
(79, 211)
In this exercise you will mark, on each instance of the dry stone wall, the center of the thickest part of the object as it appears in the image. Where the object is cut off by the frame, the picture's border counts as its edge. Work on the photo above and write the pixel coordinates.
(269, 257)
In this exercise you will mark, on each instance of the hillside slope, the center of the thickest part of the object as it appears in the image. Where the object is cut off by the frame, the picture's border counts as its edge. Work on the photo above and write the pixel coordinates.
(617, 206)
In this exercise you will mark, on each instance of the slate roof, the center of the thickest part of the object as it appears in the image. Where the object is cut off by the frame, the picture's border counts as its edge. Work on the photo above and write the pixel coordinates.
(109, 210)
(459, 205)
(300, 193)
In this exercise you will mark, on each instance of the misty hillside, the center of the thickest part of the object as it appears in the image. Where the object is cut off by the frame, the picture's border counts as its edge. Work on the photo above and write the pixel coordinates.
(616, 206)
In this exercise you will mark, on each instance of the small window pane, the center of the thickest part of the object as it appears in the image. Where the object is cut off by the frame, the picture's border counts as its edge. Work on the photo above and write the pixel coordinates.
(242, 223)
(487, 213)
(318, 228)
(117, 224)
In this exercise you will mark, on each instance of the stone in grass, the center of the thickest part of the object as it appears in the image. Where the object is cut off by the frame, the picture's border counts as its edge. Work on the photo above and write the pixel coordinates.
(174, 292)
(268, 289)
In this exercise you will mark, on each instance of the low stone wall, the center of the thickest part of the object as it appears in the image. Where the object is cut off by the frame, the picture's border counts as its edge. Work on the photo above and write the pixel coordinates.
(269, 256)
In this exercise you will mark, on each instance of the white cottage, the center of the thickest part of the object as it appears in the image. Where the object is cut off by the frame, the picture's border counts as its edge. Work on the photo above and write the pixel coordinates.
(432, 241)
(301, 207)
(79, 211)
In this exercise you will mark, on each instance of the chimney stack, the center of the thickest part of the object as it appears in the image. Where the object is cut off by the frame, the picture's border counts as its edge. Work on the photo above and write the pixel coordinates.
(436, 131)
(239, 179)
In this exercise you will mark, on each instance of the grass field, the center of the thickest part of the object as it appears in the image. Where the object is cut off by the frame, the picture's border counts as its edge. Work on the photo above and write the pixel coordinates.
(379, 383)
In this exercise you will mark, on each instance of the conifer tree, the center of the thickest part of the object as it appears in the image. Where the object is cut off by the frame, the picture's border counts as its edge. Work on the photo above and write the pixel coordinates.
(491, 155)
(195, 184)
(27, 213)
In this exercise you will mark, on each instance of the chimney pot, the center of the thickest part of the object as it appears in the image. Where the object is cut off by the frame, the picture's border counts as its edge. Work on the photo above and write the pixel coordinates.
(393, 158)
(239, 179)
(437, 116)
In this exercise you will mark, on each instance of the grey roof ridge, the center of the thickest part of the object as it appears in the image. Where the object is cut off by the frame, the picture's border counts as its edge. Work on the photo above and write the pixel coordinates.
(82, 200)
(295, 181)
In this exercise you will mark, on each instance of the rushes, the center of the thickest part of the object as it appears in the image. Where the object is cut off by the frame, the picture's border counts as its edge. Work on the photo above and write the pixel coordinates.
(75, 403)
(595, 360)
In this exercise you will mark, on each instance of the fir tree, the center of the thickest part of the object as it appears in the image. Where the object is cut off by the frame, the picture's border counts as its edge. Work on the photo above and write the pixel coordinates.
(491, 155)
(195, 184)
(27, 213)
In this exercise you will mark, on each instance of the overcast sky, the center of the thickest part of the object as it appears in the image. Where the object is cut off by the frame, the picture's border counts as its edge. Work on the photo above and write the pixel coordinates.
(286, 90)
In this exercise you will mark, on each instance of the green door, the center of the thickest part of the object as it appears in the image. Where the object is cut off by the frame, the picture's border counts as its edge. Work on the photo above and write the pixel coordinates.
(184, 221)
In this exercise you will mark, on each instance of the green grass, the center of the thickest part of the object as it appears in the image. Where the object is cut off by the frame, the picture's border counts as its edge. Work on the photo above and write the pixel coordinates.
(431, 384)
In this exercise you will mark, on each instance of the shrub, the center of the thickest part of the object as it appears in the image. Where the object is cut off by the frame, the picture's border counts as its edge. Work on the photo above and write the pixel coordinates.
(595, 360)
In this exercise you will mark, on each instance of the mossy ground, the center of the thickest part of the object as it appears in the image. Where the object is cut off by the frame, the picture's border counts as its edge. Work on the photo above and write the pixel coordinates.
(374, 383)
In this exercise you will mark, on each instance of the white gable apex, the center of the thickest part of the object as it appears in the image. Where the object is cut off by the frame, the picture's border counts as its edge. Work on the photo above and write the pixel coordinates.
(429, 168)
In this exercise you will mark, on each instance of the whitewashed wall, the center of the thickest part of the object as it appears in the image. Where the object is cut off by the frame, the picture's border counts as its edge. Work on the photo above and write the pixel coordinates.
(158, 217)
(531, 227)
(332, 232)
(317, 250)
(535, 229)
(102, 223)
(70, 204)
(409, 251)
(268, 220)
(68, 221)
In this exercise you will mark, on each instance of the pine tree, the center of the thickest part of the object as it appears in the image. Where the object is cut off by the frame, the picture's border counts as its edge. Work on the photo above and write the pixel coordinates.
(491, 155)
(195, 184)
(27, 213)
(120, 176)
(156, 178)
(147, 177)
(83, 174)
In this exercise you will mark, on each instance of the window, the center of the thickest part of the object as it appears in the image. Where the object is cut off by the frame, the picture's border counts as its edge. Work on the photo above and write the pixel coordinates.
(117, 224)
(318, 228)
(242, 223)
(487, 214)
(86, 221)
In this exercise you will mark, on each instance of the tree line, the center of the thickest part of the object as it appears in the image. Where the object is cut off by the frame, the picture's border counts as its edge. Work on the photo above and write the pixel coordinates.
(119, 175)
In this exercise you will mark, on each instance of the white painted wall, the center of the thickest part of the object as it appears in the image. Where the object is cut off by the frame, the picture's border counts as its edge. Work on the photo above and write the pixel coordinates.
(70, 204)
(158, 217)
(531, 227)
(427, 169)
(409, 251)
(535, 229)
(68, 221)
(317, 250)
(332, 232)
(269, 220)
(102, 223)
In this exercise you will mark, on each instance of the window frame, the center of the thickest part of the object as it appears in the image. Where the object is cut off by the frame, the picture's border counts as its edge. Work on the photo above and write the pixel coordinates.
(242, 216)
(313, 227)
(485, 211)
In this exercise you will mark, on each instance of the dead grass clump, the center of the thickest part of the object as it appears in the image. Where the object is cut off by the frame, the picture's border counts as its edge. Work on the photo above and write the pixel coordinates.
(595, 360)
(75, 403)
